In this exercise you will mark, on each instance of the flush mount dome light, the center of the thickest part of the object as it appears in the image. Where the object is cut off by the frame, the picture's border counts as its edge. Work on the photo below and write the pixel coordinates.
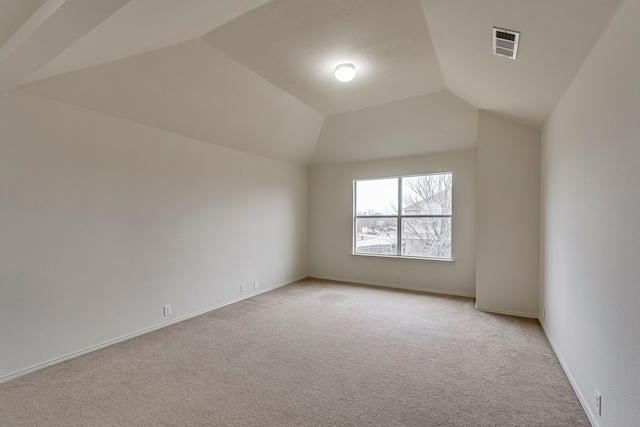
(345, 72)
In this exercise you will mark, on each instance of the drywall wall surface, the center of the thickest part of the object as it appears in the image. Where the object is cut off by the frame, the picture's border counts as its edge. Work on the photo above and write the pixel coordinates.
(104, 221)
(331, 225)
(590, 285)
(508, 216)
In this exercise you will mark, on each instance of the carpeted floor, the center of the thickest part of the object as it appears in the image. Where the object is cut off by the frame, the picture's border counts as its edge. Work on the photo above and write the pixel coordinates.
(314, 353)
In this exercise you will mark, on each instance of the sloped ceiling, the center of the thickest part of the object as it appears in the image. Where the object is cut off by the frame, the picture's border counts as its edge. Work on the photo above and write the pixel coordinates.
(433, 122)
(296, 45)
(193, 89)
(256, 75)
(142, 26)
(556, 37)
(13, 15)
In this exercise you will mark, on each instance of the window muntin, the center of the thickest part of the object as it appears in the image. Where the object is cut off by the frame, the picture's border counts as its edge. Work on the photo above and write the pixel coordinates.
(422, 226)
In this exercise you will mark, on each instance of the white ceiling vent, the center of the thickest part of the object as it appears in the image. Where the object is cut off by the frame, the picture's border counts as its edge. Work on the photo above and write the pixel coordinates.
(505, 42)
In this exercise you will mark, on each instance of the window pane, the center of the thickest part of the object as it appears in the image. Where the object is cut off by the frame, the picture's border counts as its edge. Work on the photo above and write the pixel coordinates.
(377, 197)
(426, 237)
(376, 236)
(427, 195)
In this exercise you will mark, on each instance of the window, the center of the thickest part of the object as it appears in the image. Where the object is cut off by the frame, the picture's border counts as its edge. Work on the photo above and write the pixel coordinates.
(407, 216)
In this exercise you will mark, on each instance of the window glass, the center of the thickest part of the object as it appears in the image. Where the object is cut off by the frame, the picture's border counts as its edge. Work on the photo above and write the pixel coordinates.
(426, 237)
(426, 195)
(377, 197)
(421, 229)
(376, 236)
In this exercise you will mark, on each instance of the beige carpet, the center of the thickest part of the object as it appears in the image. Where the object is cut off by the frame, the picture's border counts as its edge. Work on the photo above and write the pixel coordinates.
(314, 353)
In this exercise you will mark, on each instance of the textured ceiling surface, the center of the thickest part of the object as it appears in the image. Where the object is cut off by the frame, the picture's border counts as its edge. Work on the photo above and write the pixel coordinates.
(256, 75)
(142, 26)
(296, 45)
(14, 14)
(440, 121)
(215, 100)
(556, 37)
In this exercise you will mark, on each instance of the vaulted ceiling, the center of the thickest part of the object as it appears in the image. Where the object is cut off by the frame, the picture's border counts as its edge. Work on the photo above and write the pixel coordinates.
(256, 75)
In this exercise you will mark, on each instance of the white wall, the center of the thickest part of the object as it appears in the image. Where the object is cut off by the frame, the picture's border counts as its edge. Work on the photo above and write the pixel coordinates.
(104, 221)
(331, 213)
(508, 216)
(590, 283)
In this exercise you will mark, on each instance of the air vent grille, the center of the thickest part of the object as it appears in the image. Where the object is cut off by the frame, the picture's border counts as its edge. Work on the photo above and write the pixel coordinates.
(505, 42)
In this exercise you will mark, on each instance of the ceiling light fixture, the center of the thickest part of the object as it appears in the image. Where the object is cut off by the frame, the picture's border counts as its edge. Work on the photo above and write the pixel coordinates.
(345, 72)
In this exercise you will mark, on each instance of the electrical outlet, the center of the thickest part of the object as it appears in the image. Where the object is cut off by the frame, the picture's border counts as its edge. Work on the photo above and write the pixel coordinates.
(167, 310)
(544, 313)
(398, 278)
(255, 284)
(598, 403)
(242, 288)
(288, 275)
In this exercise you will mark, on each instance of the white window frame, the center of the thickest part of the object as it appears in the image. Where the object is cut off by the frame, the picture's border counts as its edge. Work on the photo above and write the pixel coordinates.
(398, 217)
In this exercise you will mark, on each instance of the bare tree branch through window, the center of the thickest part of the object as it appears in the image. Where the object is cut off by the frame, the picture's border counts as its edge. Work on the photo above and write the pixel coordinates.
(421, 228)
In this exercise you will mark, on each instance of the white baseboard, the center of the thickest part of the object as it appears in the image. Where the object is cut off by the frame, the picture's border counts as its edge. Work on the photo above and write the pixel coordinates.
(572, 381)
(507, 312)
(393, 285)
(87, 350)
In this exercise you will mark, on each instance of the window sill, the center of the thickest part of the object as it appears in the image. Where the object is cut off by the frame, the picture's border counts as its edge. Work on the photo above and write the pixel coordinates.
(450, 260)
